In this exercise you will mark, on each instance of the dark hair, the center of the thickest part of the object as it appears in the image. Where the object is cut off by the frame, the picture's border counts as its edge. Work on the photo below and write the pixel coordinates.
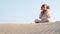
(44, 5)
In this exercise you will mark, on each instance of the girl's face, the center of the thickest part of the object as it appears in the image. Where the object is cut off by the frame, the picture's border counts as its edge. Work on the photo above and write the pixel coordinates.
(44, 8)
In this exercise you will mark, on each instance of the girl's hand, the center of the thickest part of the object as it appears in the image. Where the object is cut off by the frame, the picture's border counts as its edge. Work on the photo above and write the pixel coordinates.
(48, 16)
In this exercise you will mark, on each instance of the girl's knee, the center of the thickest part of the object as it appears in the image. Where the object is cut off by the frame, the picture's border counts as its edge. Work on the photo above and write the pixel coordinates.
(37, 21)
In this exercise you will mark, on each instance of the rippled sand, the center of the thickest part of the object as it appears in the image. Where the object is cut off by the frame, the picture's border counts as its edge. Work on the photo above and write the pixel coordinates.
(39, 28)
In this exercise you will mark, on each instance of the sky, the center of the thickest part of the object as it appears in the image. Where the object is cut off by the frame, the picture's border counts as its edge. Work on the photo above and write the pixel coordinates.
(26, 11)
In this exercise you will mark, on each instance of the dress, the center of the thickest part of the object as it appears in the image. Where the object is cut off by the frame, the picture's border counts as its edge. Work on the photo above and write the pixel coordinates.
(43, 18)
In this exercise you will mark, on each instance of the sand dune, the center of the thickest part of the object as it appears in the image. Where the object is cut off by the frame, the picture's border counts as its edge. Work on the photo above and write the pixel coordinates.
(39, 28)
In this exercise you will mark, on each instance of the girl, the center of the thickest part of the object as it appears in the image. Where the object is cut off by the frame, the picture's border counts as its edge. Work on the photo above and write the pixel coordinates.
(44, 15)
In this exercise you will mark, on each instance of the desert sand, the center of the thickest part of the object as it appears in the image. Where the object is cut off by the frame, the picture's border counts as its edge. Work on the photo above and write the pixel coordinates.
(38, 28)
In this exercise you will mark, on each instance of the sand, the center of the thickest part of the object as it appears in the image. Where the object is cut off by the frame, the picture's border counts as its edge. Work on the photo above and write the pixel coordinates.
(39, 28)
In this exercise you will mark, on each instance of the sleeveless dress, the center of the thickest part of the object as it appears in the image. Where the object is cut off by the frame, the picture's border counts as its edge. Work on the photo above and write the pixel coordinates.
(43, 18)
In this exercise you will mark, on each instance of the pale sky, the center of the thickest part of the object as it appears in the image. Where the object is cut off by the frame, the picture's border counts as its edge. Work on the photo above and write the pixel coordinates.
(26, 11)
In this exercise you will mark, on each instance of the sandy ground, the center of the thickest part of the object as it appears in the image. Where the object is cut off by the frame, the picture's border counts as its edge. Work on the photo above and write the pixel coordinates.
(40, 28)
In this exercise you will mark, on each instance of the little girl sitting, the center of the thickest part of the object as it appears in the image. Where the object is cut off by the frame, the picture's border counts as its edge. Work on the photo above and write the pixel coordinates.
(44, 15)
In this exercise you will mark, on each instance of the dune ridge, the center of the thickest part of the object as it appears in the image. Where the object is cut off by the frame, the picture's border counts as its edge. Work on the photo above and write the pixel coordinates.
(39, 28)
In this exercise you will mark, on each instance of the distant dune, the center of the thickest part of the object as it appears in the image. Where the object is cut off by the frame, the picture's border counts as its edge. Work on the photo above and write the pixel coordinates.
(39, 28)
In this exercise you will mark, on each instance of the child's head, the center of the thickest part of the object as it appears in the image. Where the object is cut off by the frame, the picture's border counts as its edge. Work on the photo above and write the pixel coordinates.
(45, 7)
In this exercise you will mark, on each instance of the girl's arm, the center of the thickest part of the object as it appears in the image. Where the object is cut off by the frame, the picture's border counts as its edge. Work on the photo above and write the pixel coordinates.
(40, 16)
(48, 15)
